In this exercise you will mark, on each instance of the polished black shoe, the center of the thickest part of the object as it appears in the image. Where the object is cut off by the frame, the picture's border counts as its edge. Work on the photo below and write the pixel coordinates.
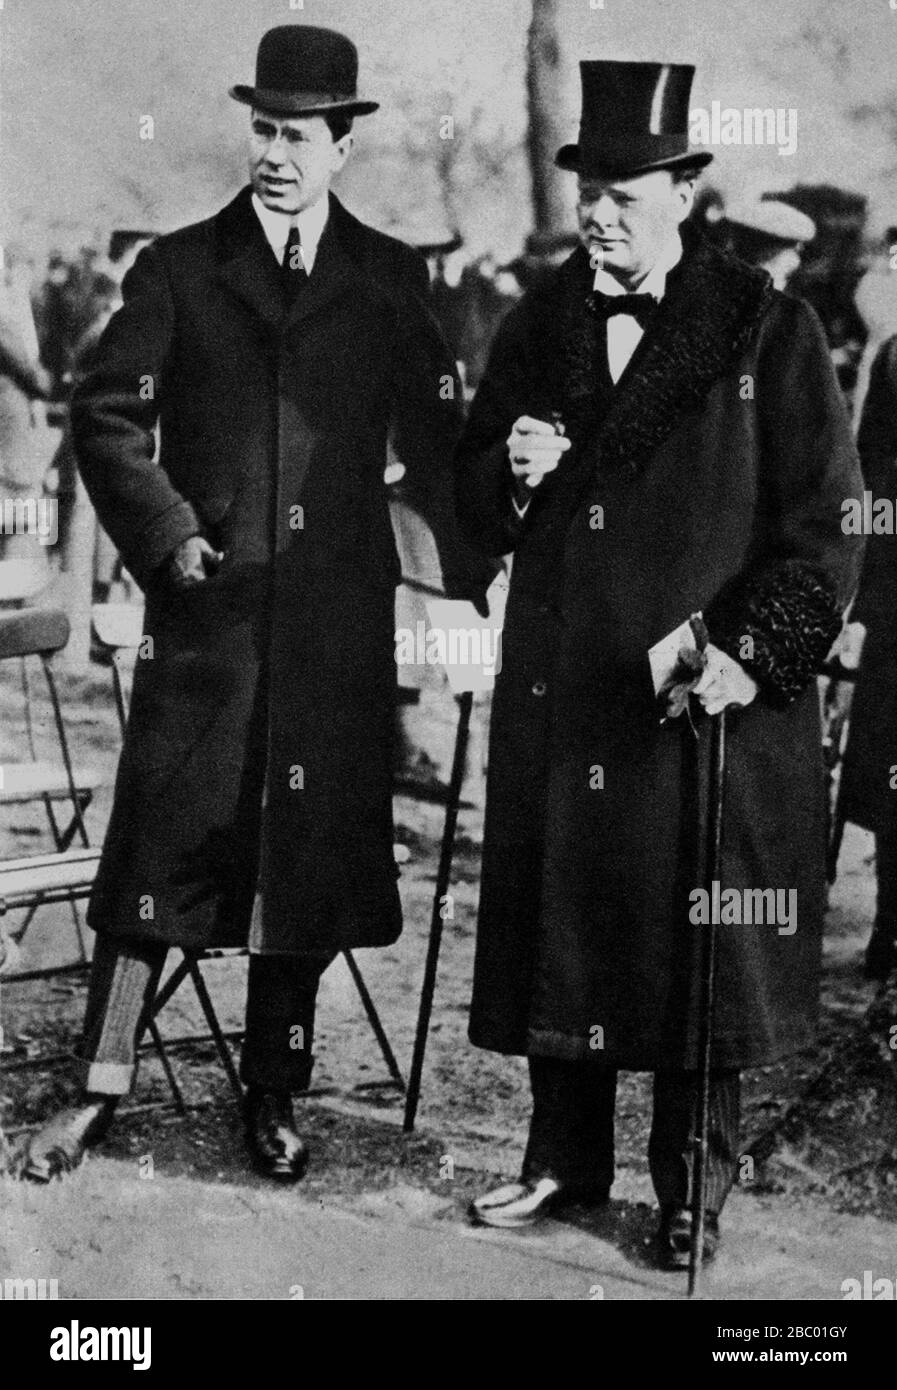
(523, 1203)
(60, 1145)
(674, 1237)
(881, 955)
(276, 1149)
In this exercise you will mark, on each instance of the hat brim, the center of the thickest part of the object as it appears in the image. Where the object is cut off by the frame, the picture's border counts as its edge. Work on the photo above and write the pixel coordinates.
(438, 248)
(288, 104)
(567, 158)
(775, 239)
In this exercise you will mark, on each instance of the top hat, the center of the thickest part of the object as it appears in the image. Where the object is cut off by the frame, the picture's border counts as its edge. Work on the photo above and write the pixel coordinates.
(304, 71)
(634, 120)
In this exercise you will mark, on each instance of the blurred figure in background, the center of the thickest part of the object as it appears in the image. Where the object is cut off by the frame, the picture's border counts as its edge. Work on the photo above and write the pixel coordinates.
(101, 301)
(442, 248)
(831, 268)
(769, 234)
(25, 384)
(486, 293)
(876, 303)
(415, 769)
(867, 795)
(542, 253)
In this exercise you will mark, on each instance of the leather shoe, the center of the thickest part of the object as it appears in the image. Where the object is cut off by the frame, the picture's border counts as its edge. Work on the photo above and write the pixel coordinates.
(276, 1149)
(881, 955)
(674, 1237)
(59, 1146)
(517, 1204)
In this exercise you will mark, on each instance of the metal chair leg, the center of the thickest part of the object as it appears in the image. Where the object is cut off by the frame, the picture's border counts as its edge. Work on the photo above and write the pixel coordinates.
(374, 1020)
(224, 1053)
(172, 984)
(180, 1104)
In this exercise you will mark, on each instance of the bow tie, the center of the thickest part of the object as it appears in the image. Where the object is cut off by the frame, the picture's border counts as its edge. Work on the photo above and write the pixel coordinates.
(642, 307)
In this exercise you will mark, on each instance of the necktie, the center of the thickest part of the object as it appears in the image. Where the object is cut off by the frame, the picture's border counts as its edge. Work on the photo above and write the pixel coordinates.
(641, 306)
(293, 267)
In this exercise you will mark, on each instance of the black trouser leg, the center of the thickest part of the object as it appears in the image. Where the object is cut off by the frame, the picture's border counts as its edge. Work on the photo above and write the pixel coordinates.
(571, 1135)
(886, 881)
(280, 1020)
(672, 1132)
(124, 979)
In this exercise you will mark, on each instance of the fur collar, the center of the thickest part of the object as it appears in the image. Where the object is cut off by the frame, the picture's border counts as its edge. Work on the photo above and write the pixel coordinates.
(711, 312)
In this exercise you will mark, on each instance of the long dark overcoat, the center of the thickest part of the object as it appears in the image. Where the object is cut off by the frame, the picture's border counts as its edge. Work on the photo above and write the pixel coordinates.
(867, 796)
(720, 461)
(257, 754)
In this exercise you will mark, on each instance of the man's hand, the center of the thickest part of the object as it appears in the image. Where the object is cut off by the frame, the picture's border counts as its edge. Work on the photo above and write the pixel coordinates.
(724, 682)
(192, 562)
(535, 449)
(850, 647)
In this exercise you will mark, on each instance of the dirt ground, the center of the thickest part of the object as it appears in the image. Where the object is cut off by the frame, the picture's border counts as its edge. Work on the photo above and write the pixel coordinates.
(820, 1131)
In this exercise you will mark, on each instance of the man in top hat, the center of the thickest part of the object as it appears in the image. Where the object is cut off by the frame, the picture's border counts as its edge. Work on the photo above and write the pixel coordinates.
(659, 434)
(278, 345)
(770, 234)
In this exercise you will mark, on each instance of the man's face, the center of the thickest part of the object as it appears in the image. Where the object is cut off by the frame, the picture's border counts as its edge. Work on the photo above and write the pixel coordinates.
(293, 159)
(625, 223)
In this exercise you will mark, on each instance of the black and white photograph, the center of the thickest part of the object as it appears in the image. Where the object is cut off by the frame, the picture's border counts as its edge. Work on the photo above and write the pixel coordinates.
(448, 662)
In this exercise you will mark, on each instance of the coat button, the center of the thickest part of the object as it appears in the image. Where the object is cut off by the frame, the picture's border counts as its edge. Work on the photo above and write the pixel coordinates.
(539, 687)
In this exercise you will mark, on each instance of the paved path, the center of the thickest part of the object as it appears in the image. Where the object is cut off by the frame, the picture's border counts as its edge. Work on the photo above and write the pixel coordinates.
(110, 1234)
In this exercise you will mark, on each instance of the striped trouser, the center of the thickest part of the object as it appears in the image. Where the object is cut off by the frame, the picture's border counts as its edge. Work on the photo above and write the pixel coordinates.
(124, 978)
(572, 1129)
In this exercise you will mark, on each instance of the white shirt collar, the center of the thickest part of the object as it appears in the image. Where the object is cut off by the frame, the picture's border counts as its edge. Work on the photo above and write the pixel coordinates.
(655, 281)
(311, 224)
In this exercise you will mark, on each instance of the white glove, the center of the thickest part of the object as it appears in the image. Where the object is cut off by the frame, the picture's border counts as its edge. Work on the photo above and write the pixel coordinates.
(724, 682)
(851, 645)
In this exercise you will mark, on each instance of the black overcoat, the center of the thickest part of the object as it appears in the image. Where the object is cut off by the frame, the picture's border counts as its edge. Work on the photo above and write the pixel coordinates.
(256, 767)
(867, 794)
(720, 461)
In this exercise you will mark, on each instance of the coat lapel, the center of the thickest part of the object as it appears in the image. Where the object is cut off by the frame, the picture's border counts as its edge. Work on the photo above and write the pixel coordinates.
(712, 311)
(333, 275)
(247, 265)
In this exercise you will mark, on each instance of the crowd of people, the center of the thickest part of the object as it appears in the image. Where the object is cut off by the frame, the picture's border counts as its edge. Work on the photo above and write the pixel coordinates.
(51, 321)
(51, 317)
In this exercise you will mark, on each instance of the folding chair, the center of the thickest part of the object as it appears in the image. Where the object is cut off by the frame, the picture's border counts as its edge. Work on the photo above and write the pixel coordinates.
(42, 879)
(21, 581)
(38, 633)
(118, 629)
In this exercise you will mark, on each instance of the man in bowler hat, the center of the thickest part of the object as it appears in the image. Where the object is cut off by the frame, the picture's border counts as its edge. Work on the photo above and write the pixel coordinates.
(278, 346)
(659, 434)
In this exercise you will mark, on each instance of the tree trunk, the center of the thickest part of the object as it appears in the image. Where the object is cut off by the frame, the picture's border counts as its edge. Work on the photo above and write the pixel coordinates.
(547, 129)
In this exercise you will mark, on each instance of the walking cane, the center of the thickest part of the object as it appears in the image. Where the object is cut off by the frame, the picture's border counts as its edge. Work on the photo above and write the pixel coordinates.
(707, 997)
(465, 705)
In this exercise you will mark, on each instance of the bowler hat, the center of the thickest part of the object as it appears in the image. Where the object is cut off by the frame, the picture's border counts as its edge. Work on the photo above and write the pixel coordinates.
(634, 120)
(304, 71)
